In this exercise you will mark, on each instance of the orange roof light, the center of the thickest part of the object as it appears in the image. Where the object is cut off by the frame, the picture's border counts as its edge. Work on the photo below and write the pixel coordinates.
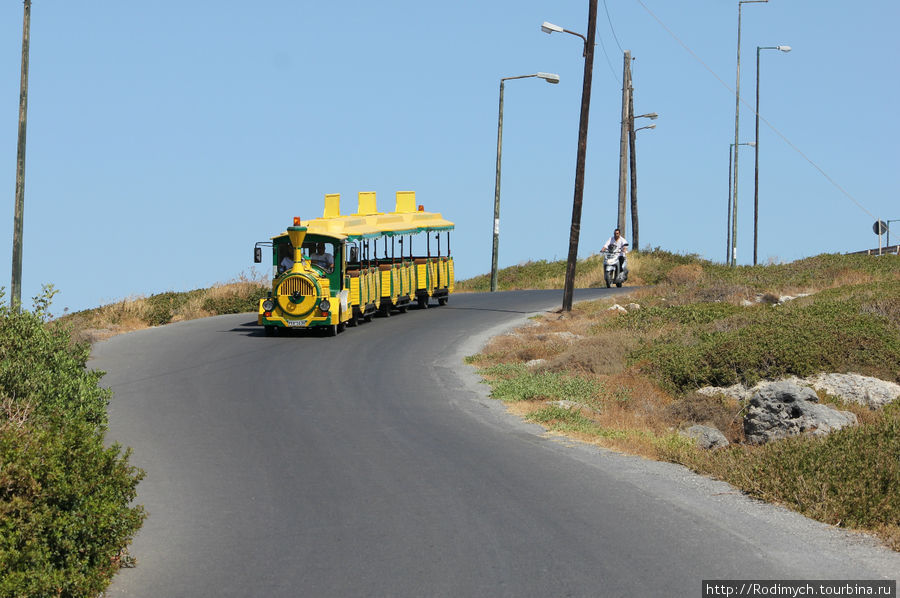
(421, 208)
(296, 220)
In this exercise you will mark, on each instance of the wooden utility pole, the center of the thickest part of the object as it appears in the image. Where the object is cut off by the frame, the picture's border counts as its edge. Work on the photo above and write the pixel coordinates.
(569, 288)
(633, 164)
(623, 140)
(16, 282)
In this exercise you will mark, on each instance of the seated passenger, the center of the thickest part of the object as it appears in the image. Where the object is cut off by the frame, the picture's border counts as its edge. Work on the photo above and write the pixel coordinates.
(286, 264)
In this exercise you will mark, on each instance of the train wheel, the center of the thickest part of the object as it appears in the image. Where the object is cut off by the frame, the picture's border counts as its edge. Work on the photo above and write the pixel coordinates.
(402, 309)
(443, 300)
(354, 319)
(423, 301)
(331, 330)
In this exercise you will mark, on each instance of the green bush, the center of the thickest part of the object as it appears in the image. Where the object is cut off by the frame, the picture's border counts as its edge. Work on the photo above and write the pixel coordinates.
(65, 498)
(40, 366)
(236, 303)
(64, 509)
(839, 330)
(163, 306)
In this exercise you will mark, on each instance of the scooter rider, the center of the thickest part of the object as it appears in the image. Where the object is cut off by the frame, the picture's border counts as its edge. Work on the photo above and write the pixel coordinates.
(619, 242)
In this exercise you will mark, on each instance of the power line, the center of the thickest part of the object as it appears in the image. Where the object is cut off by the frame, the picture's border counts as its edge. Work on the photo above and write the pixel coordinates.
(608, 62)
(761, 117)
(606, 8)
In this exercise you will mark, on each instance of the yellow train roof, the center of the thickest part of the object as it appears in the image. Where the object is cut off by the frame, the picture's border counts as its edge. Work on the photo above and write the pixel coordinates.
(368, 222)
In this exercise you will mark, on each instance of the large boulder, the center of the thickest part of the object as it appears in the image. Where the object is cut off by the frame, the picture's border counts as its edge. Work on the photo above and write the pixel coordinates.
(782, 409)
(865, 390)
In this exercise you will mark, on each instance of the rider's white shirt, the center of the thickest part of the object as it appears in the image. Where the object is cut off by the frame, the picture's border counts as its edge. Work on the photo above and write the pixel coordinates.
(621, 244)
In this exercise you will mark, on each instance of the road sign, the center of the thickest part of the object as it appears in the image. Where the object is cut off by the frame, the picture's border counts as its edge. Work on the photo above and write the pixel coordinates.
(880, 227)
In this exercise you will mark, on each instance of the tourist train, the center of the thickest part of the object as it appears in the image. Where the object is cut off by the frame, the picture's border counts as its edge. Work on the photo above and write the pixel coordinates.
(334, 271)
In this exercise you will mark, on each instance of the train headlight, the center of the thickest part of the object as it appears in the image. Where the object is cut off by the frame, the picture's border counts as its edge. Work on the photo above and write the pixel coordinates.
(325, 305)
(268, 305)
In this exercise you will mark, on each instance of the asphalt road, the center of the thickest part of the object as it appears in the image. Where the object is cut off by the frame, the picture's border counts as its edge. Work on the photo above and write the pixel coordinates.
(373, 464)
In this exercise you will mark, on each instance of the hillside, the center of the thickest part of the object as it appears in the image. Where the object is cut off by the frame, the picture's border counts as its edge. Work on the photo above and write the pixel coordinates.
(629, 379)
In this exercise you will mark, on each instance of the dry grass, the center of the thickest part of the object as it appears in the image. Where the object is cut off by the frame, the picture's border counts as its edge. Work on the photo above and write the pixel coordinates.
(137, 313)
(631, 413)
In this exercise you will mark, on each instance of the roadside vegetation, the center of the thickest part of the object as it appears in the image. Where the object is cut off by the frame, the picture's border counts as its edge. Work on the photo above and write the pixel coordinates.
(628, 380)
(66, 512)
(135, 313)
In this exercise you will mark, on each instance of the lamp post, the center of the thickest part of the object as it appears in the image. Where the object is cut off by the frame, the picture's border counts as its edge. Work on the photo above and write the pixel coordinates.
(737, 113)
(549, 78)
(635, 235)
(756, 165)
(575, 229)
(728, 251)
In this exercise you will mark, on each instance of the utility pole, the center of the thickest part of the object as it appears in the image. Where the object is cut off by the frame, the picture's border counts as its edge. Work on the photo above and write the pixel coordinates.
(737, 120)
(569, 288)
(15, 300)
(633, 165)
(623, 140)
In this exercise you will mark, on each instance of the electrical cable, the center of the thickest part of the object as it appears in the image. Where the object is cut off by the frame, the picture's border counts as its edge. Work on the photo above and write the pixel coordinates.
(606, 8)
(752, 109)
(611, 69)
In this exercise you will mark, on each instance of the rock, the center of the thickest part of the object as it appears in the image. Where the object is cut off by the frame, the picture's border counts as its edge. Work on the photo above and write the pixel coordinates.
(865, 390)
(633, 306)
(782, 409)
(535, 363)
(707, 437)
(618, 308)
(747, 303)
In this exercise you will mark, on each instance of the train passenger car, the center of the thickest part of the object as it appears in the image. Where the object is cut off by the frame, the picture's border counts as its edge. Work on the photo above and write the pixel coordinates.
(339, 269)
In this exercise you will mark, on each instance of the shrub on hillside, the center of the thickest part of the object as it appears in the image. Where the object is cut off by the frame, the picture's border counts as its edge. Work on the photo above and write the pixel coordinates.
(40, 366)
(839, 330)
(162, 307)
(234, 299)
(65, 498)
(64, 508)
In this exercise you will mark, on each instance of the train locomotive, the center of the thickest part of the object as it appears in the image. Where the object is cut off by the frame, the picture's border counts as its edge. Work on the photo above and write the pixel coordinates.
(334, 271)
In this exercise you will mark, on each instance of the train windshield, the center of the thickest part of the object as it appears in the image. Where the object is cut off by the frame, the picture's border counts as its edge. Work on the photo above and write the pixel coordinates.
(321, 254)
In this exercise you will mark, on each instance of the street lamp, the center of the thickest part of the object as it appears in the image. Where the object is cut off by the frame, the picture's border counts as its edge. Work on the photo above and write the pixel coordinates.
(756, 165)
(574, 231)
(728, 221)
(549, 28)
(737, 112)
(549, 78)
(635, 234)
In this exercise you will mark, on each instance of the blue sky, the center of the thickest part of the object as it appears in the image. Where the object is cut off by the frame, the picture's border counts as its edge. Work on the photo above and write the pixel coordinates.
(165, 138)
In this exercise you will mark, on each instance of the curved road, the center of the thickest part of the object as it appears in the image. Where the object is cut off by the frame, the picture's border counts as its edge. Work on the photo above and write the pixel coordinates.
(373, 464)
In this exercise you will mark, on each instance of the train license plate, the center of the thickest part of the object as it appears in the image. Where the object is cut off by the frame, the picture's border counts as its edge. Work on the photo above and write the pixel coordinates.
(296, 323)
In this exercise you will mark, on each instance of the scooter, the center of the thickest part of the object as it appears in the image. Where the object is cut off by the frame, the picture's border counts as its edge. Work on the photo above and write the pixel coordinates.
(614, 270)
